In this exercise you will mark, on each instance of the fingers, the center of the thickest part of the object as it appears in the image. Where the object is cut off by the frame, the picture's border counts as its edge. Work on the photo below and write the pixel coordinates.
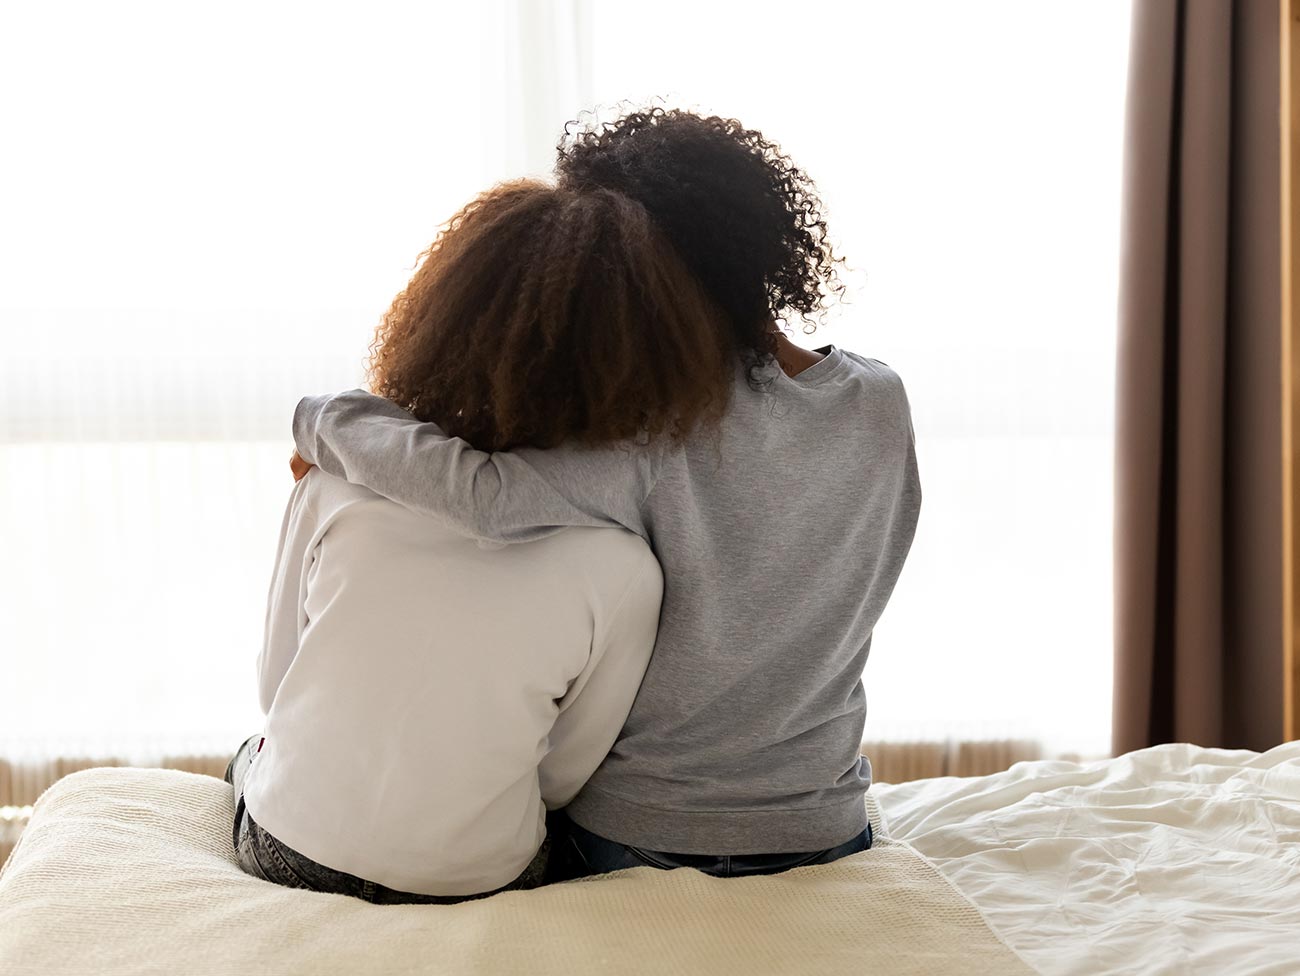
(299, 467)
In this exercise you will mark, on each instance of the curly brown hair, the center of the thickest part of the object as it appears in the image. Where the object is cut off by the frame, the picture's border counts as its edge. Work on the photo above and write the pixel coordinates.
(745, 219)
(542, 315)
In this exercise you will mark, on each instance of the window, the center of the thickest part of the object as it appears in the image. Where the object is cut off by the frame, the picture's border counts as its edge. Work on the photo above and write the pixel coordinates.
(210, 209)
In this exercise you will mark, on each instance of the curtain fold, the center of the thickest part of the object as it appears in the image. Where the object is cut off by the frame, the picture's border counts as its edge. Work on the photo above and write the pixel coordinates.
(1198, 597)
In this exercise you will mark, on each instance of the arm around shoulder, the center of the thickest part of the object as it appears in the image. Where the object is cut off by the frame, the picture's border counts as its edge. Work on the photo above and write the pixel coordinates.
(496, 497)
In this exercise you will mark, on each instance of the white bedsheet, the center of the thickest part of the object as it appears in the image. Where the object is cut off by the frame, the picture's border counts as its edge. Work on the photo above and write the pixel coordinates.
(1174, 859)
(129, 872)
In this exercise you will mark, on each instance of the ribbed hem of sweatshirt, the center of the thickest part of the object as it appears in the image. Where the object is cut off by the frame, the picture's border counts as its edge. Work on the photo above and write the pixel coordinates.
(721, 831)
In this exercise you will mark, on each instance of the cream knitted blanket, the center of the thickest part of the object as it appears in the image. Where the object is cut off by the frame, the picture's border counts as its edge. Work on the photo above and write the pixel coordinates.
(130, 871)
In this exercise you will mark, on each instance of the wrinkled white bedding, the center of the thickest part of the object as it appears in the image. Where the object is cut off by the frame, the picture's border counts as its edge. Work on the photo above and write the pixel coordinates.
(1174, 859)
(1169, 860)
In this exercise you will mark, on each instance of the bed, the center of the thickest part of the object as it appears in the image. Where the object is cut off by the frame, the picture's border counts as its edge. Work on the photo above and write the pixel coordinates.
(1172, 859)
(1168, 860)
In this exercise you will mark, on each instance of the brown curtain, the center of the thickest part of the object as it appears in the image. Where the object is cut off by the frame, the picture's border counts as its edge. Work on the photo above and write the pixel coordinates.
(1198, 585)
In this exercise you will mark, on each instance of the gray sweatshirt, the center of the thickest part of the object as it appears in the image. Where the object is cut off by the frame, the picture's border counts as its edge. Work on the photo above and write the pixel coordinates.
(781, 535)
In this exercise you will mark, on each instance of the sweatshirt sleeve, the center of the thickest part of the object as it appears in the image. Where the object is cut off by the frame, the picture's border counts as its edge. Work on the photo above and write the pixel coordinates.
(593, 712)
(286, 613)
(496, 497)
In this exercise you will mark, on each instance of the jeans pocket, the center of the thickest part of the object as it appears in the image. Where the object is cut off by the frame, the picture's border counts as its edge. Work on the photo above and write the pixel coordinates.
(262, 856)
(246, 857)
(282, 857)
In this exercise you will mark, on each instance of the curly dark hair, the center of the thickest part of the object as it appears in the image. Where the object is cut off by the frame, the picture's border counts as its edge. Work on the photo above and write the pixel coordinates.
(745, 219)
(542, 315)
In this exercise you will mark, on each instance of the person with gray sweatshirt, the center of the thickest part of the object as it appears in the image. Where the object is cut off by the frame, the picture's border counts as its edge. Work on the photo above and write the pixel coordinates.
(781, 531)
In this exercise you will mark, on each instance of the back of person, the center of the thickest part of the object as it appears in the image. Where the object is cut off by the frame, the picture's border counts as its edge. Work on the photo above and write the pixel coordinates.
(426, 696)
(781, 540)
(406, 724)
(782, 544)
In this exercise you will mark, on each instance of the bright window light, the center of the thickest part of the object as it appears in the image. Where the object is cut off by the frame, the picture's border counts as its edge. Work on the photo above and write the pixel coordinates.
(206, 209)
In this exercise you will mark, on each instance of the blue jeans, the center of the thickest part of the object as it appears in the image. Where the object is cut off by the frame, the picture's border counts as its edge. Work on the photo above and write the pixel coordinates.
(262, 856)
(576, 852)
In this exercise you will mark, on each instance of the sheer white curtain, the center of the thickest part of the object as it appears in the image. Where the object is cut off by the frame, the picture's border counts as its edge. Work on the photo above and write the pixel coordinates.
(205, 210)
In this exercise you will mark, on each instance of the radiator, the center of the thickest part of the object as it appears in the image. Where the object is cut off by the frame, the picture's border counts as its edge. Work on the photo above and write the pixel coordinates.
(899, 762)
(22, 781)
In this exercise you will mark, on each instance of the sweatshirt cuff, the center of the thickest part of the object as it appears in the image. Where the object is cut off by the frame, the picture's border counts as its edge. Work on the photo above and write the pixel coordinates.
(304, 426)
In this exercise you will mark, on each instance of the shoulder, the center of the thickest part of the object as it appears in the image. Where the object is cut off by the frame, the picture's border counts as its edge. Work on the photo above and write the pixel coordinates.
(324, 496)
(610, 549)
(874, 371)
(879, 386)
(632, 611)
(619, 565)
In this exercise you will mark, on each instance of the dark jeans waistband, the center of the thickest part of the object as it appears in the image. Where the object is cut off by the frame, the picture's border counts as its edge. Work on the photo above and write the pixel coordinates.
(577, 852)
